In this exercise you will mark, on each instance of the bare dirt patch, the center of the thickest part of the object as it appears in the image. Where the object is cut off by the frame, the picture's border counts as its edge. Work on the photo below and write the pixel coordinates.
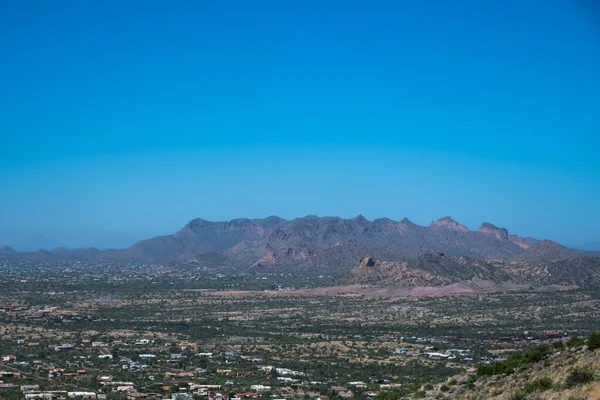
(371, 291)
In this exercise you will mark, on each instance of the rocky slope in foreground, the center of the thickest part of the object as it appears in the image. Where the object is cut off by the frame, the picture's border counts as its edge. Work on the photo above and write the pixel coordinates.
(564, 374)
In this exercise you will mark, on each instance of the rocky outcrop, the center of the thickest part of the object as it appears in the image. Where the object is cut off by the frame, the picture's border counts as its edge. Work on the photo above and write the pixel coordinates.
(449, 223)
(366, 262)
(500, 233)
(522, 242)
(305, 253)
(268, 259)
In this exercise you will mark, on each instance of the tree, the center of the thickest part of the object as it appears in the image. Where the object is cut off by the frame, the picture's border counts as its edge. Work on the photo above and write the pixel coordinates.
(593, 341)
(333, 395)
(579, 376)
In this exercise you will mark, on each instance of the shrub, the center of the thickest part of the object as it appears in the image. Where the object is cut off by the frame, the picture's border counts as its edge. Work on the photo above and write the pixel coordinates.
(539, 385)
(518, 395)
(559, 345)
(575, 341)
(444, 388)
(593, 340)
(514, 361)
(429, 386)
(579, 376)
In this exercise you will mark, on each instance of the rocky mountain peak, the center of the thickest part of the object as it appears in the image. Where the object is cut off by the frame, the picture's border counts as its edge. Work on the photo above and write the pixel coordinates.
(274, 220)
(449, 223)
(360, 219)
(196, 223)
(524, 243)
(500, 233)
(268, 259)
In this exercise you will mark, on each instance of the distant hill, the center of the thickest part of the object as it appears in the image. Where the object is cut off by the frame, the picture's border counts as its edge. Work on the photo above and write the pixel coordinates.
(437, 269)
(318, 242)
(546, 251)
(7, 251)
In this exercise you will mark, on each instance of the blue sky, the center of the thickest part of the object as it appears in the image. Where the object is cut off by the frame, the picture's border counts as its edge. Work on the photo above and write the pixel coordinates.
(122, 121)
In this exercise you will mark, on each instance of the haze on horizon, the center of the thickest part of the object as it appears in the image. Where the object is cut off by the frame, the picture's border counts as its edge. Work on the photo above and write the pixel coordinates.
(119, 122)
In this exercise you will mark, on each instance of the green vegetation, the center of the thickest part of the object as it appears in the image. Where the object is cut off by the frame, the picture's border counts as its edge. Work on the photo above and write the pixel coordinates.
(575, 342)
(593, 340)
(518, 395)
(539, 385)
(389, 395)
(579, 376)
(514, 361)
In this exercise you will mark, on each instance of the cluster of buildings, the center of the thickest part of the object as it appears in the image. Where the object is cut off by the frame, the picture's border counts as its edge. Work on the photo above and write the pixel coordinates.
(158, 372)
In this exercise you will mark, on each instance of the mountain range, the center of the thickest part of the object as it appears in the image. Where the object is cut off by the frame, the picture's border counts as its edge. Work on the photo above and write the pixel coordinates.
(381, 251)
(322, 242)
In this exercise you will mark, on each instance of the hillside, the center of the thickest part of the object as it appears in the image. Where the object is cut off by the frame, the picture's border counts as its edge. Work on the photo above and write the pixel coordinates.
(546, 251)
(439, 269)
(548, 372)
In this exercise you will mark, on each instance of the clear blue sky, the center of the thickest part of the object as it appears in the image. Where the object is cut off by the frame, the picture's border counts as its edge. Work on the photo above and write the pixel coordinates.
(122, 120)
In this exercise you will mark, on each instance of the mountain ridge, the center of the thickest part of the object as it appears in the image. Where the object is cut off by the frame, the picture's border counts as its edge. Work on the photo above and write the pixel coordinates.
(315, 242)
